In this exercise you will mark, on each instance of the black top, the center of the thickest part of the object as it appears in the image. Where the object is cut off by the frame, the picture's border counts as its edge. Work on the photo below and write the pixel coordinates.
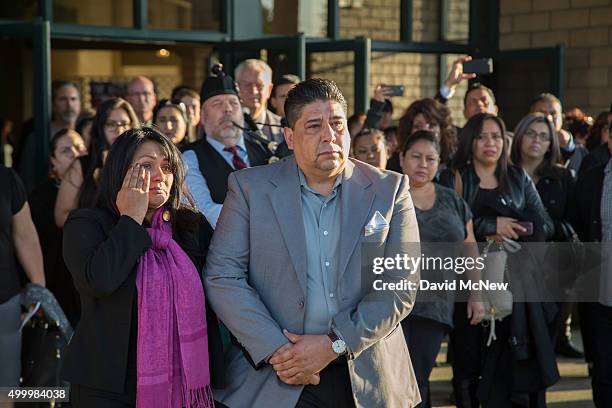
(12, 200)
(443, 223)
(598, 156)
(585, 210)
(446, 220)
(58, 279)
(102, 254)
(484, 196)
(556, 191)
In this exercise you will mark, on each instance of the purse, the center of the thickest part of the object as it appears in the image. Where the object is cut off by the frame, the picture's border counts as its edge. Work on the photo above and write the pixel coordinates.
(497, 303)
(41, 355)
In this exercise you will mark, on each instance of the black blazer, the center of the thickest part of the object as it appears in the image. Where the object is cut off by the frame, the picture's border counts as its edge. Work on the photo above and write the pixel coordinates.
(102, 254)
(556, 191)
(586, 204)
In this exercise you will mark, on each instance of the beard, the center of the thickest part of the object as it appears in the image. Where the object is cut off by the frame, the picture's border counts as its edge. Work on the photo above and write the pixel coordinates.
(69, 116)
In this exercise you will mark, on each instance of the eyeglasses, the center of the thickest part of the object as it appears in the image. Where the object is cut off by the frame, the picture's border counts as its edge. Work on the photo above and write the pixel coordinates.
(113, 126)
(542, 137)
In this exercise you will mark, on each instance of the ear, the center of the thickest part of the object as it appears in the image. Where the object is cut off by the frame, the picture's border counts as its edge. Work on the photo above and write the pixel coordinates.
(272, 102)
(496, 109)
(288, 137)
(202, 115)
(269, 90)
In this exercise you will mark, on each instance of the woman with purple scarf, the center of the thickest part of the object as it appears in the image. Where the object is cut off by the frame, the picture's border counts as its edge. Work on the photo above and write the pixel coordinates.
(147, 337)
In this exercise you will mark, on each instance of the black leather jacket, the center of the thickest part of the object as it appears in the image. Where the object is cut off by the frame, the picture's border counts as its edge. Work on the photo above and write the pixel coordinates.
(522, 201)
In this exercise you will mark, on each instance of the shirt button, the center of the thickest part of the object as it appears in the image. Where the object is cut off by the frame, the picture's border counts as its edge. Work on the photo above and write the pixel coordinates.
(331, 295)
(301, 304)
(325, 233)
(326, 263)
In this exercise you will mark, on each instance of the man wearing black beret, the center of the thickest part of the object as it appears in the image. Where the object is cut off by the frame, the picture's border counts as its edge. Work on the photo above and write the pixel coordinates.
(223, 150)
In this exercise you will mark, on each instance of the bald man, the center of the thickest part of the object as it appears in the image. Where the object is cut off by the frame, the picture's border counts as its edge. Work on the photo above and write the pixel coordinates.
(141, 95)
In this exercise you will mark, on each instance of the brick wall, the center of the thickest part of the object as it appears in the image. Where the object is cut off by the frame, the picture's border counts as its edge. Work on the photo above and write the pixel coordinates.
(419, 73)
(584, 26)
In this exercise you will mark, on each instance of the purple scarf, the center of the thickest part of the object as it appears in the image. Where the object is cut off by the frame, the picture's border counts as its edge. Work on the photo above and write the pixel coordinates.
(172, 358)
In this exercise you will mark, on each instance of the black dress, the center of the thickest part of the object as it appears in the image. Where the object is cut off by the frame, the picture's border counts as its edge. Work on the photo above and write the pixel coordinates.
(59, 282)
(102, 254)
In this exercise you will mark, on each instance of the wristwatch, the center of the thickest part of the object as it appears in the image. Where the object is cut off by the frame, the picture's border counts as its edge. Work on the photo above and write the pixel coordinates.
(338, 345)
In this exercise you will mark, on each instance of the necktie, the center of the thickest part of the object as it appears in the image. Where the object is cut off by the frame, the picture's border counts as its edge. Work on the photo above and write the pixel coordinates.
(237, 161)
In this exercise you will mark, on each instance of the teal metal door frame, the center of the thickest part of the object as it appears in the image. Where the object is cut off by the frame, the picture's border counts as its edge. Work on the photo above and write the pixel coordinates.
(555, 54)
(38, 31)
(362, 53)
(232, 52)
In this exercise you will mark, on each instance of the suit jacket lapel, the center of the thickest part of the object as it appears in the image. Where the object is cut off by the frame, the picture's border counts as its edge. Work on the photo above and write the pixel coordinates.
(356, 204)
(286, 202)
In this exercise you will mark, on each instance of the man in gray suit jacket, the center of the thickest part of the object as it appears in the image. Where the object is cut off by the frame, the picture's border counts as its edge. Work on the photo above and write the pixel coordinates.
(309, 328)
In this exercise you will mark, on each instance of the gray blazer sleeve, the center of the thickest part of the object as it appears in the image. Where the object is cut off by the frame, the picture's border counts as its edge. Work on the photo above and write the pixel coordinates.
(378, 313)
(236, 303)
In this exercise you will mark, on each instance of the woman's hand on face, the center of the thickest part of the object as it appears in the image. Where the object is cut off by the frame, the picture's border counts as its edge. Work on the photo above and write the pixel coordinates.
(133, 198)
(507, 227)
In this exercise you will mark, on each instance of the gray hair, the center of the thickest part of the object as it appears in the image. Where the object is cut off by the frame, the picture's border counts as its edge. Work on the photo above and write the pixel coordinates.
(255, 65)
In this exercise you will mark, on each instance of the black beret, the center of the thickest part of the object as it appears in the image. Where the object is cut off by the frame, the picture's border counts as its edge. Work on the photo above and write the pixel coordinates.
(217, 83)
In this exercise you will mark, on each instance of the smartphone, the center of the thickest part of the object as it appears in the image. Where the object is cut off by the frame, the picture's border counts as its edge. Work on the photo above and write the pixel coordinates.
(394, 90)
(528, 225)
(478, 66)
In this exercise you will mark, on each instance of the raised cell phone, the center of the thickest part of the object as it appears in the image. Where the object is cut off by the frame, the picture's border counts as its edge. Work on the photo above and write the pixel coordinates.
(394, 90)
(478, 66)
(528, 225)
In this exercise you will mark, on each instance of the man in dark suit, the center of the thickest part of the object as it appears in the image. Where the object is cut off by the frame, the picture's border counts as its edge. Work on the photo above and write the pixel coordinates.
(225, 148)
(592, 219)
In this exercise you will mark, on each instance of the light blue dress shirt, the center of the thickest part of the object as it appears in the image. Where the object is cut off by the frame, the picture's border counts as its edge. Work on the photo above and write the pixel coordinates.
(196, 183)
(322, 224)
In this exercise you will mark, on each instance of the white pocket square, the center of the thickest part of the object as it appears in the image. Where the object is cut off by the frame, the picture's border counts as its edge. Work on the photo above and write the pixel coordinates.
(376, 224)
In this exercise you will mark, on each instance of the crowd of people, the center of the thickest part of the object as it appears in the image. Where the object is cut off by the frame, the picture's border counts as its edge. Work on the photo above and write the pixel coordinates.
(190, 282)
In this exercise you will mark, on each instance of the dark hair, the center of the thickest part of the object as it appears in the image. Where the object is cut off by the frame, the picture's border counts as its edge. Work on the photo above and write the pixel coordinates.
(601, 123)
(578, 123)
(309, 91)
(181, 91)
(287, 79)
(180, 106)
(98, 145)
(366, 132)
(464, 155)
(59, 84)
(120, 159)
(552, 156)
(390, 131)
(478, 85)
(433, 111)
(55, 139)
(425, 135)
(85, 118)
(356, 119)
